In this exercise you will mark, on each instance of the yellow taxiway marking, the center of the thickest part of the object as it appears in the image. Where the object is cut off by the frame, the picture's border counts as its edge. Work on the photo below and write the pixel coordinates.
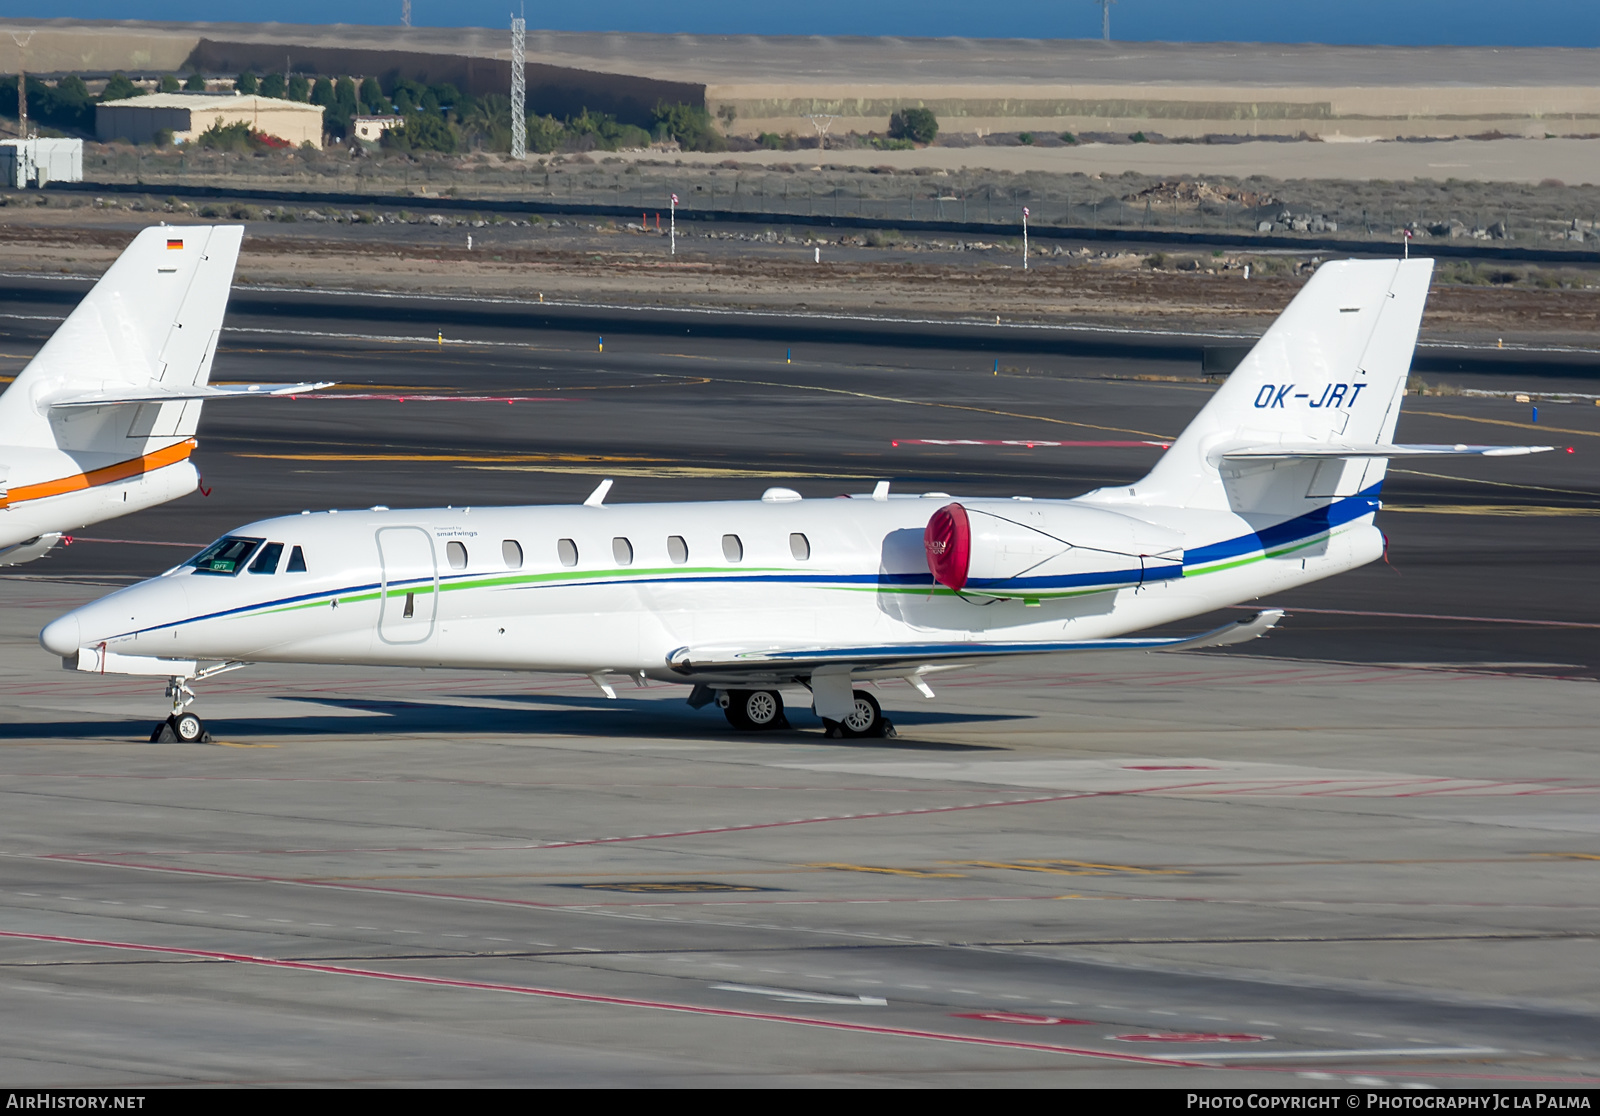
(1508, 422)
(1569, 856)
(913, 872)
(464, 458)
(1071, 867)
(1489, 509)
(951, 407)
(673, 471)
(1492, 483)
(230, 744)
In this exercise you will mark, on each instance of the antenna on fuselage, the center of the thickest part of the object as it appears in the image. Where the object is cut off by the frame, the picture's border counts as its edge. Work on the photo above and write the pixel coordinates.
(597, 498)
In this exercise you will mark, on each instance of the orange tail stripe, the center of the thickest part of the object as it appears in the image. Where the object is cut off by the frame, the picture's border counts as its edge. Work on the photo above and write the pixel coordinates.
(109, 474)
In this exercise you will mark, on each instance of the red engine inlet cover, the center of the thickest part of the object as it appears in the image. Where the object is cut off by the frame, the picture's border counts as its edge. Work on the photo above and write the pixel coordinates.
(948, 538)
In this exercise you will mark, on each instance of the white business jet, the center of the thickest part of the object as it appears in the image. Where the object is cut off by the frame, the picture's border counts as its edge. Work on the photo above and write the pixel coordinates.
(101, 422)
(1274, 484)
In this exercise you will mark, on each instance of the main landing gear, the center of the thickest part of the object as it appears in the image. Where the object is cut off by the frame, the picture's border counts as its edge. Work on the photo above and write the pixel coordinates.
(753, 709)
(864, 719)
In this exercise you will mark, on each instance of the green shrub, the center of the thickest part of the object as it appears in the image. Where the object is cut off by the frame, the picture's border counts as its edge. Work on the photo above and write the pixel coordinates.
(299, 88)
(689, 125)
(1025, 138)
(1068, 137)
(544, 134)
(916, 124)
(119, 88)
(247, 83)
(169, 83)
(770, 140)
(1139, 137)
(422, 132)
(195, 84)
(274, 85)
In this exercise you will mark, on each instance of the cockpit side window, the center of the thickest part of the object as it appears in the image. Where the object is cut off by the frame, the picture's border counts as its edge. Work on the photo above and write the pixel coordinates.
(297, 561)
(226, 556)
(267, 561)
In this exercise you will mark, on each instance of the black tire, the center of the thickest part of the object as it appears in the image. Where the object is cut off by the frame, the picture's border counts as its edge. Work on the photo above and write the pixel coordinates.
(755, 709)
(188, 728)
(865, 719)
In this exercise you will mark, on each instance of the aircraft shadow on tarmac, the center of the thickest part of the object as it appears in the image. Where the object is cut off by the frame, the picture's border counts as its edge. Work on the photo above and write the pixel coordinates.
(562, 715)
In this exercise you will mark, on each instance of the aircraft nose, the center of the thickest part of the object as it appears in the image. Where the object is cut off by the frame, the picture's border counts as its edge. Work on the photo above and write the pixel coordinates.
(61, 636)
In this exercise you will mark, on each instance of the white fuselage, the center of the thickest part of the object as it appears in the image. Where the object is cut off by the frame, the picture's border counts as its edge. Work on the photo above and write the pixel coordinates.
(620, 588)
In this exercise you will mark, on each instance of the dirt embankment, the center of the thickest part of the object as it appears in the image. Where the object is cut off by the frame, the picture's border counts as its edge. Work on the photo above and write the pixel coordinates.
(604, 265)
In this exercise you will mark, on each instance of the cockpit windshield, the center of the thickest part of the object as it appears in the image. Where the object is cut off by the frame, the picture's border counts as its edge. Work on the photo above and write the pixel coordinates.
(225, 556)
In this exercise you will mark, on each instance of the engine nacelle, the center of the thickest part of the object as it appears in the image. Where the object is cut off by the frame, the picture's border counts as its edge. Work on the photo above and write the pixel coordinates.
(1034, 550)
(28, 549)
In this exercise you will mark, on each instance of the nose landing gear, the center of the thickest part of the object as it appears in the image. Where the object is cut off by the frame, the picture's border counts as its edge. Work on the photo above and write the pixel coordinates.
(183, 727)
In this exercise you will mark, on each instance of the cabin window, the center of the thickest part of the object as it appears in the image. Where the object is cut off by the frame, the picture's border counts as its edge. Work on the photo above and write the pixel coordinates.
(511, 554)
(297, 561)
(267, 561)
(567, 551)
(622, 551)
(732, 548)
(226, 556)
(677, 549)
(799, 546)
(456, 554)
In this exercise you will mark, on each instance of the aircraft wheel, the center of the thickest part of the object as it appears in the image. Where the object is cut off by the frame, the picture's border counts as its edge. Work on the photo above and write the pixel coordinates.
(865, 718)
(188, 728)
(763, 709)
(754, 709)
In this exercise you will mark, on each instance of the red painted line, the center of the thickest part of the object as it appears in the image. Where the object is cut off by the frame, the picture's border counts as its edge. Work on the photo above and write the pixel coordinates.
(1430, 616)
(613, 1001)
(399, 397)
(709, 832)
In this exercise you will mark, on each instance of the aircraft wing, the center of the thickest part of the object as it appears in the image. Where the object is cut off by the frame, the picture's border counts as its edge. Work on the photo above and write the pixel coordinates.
(166, 395)
(725, 661)
(1278, 451)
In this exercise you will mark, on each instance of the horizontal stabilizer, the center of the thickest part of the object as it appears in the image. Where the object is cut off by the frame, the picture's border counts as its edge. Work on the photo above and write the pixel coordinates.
(782, 662)
(1286, 451)
(175, 395)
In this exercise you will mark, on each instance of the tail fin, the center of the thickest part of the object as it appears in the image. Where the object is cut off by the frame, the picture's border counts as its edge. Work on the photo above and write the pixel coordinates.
(1330, 371)
(149, 325)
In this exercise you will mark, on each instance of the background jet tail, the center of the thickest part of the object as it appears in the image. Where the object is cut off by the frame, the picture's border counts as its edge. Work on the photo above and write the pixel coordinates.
(149, 325)
(1330, 372)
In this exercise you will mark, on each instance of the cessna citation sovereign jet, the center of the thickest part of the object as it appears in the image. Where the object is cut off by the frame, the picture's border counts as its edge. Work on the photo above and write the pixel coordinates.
(1273, 485)
(101, 422)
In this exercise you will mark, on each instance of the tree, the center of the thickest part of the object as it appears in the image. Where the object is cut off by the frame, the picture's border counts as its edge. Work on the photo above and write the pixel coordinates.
(274, 85)
(247, 83)
(322, 93)
(195, 84)
(422, 132)
(544, 134)
(918, 125)
(119, 88)
(690, 125)
(169, 83)
(372, 96)
(299, 88)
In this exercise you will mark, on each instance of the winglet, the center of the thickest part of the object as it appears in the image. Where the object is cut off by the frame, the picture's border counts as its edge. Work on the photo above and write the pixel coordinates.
(1240, 631)
(597, 498)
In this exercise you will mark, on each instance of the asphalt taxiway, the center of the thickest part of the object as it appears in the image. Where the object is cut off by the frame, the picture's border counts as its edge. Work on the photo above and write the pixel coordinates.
(1362, 851)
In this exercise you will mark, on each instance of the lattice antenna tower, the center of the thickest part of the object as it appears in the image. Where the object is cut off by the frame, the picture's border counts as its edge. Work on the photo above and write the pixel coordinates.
(22, 41)
(1105, 19)
(519, 88)
(405, 13)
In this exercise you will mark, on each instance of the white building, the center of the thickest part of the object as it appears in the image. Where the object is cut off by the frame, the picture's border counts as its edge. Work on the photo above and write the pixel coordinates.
(186, 115)
(370, 129)
(40, 161)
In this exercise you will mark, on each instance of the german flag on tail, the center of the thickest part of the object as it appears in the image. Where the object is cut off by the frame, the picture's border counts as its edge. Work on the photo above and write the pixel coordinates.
(174, 242)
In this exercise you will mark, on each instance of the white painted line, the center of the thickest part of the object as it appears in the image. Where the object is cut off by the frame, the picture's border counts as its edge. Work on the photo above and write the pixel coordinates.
(1393, 1052)
(790, 996)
